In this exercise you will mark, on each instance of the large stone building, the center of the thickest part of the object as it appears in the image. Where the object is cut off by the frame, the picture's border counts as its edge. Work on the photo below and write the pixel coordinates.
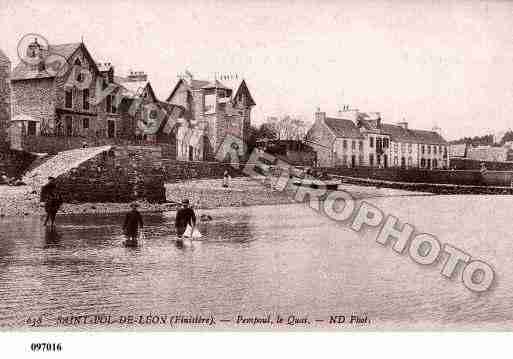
(212, 111)
(5, 95)
(80, 101)
(355, 138)
(71, 102)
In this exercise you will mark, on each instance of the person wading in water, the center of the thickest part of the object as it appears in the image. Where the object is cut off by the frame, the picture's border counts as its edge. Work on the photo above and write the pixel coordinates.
(133, 221)
(52, 199)
(185, 216)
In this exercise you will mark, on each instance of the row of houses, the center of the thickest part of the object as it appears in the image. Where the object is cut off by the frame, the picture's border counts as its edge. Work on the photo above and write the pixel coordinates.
(355, 138)
(85, 101)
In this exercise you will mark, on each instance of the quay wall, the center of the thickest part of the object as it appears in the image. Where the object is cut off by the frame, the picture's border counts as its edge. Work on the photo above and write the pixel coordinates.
(121, 175)
(13, 162)
(413, 175)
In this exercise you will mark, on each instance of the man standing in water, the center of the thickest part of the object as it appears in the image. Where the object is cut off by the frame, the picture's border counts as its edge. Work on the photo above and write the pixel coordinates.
(52, 199)
(185, 216)
(133, 221)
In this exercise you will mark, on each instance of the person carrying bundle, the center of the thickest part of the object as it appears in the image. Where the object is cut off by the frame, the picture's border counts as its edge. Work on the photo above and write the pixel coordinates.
(185, 216)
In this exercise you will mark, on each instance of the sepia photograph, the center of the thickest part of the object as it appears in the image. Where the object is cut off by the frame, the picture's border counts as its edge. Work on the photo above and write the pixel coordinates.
(248, 166)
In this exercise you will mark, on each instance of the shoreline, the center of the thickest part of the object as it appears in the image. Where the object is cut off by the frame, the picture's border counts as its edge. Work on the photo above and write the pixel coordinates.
(203, 195)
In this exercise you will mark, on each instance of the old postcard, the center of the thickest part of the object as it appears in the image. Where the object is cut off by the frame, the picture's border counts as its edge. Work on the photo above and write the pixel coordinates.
(255, 166)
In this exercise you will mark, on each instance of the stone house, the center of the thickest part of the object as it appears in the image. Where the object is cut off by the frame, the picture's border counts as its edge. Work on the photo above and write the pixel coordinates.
(5, 95)
(145, 119)
(75, 101)
(355, 138)
(211, 112)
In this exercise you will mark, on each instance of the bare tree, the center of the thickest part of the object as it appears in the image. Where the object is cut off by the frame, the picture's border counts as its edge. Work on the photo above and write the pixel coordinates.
(287, 127)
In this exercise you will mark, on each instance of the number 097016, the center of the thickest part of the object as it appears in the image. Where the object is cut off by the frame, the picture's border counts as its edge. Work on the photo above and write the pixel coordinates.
(46, 347)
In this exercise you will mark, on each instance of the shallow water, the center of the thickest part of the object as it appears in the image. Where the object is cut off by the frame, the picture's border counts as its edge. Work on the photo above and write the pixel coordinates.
(254, 261)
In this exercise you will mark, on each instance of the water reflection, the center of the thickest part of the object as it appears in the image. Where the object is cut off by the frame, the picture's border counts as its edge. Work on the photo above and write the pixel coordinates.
(279, 259)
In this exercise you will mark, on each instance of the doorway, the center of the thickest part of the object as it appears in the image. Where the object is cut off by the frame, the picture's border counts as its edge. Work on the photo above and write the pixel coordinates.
(111, 129)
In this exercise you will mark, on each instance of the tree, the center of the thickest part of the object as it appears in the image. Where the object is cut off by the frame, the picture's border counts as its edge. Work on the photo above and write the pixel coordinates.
(287, 127)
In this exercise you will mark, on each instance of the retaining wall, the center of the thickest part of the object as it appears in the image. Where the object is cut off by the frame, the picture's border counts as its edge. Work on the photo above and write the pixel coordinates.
(123, 174)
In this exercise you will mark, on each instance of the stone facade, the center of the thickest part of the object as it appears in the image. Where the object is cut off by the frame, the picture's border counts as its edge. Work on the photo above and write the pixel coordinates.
(123, 174)
(322, 140)
(81, 103)
(5, 95)
(360, 139)
(215, 111)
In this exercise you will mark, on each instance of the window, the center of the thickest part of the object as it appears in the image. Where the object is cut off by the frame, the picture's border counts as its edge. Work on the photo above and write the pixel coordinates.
(360, 160)
(379, 146)
(371, 141)
(386, 143)
(85, 123)
(403, 147)
(361, 146)
(409, 161)
(85, 99)
(409, 147)
(344, 160)
(396, 162)
(429, 149)
(353, 145)
(344, 144)
(434, 150)
(396, 147)
(110, 106)
(422, 163)
(371, 159)
(31, 128)
(422, 149)
(68, 99)
(435, 163)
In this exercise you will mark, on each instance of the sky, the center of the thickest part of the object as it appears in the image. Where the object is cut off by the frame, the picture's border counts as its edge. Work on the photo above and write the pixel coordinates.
(443, 63)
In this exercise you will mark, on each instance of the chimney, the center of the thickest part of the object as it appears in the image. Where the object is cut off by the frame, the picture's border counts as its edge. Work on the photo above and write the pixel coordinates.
(403, 124)
(349, 113)
(320, 116)
(437, 130)
(137, 76)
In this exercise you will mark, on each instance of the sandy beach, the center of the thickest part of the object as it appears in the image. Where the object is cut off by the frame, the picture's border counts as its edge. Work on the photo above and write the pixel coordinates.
(203, 194)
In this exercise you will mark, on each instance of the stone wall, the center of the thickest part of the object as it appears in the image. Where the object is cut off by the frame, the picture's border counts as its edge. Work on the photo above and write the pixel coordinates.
(468, 164)
(123, 174)
(321, 139)
(14, 163)
(34, 98)
(176, 171)
(413, 175)
(5, 96)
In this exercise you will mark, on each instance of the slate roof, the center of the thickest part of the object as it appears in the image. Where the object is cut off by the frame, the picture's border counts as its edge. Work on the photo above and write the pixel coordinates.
(202, 84)
(135, 87)
(347, 128)
(343, 128)
(24, 71)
